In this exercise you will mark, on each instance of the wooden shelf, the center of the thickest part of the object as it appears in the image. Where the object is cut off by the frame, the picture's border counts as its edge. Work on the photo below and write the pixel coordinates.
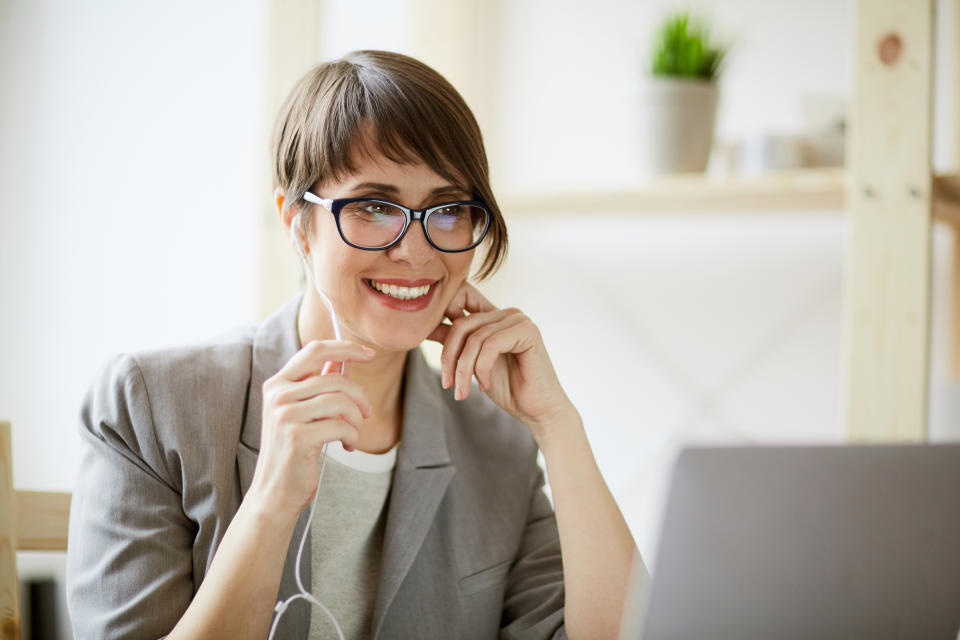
(946, 199)
(820, 189)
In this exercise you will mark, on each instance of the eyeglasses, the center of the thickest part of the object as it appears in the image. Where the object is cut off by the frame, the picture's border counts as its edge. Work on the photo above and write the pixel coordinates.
(375, 225)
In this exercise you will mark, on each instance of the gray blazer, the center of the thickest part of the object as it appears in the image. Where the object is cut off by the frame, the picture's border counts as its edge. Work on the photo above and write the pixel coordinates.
(170, 440)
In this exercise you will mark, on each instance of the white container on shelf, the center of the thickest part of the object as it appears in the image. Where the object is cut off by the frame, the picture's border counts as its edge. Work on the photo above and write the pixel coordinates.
(676, 123)
(759, 153)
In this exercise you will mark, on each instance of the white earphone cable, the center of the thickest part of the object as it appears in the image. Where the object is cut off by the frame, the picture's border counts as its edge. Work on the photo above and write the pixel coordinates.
(282, 605)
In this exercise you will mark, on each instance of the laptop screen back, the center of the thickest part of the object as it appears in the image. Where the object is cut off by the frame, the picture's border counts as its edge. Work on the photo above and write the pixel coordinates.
(810, 542)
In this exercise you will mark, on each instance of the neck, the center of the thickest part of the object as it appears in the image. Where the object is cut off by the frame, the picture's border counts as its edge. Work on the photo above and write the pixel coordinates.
(380, 378)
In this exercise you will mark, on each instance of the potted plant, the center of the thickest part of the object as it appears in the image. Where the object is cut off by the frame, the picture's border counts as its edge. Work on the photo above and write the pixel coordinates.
(679, 99)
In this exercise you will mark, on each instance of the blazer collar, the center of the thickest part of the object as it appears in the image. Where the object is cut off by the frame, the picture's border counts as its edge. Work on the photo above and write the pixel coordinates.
(423, 474)
(275, 341)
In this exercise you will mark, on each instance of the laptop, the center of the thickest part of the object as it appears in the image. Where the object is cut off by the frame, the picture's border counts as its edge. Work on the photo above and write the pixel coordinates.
(847, 542)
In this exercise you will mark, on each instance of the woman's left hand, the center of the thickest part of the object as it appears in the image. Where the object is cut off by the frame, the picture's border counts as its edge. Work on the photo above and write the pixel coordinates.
(504, 350)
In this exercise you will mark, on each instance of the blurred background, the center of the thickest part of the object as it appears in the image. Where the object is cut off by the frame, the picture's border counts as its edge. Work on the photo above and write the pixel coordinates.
(136, 210)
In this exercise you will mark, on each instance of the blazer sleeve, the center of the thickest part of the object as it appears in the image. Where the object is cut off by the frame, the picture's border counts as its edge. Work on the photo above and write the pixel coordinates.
(129, 566)
(534, 597)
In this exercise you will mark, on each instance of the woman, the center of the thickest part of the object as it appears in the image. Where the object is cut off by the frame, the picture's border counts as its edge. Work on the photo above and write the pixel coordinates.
(199, 463)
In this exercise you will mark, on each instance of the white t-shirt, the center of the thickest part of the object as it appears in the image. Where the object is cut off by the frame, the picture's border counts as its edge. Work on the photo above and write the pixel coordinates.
(347, 539)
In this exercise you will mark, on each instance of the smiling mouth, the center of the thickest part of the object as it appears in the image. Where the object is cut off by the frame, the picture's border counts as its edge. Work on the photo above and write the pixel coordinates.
(398, 292)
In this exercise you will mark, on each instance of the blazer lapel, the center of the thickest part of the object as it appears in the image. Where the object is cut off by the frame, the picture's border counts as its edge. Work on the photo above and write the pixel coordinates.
(274, 343)
(423, 473)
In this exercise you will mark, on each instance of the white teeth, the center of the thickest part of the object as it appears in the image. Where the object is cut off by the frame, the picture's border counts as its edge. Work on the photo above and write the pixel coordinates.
(402, 293)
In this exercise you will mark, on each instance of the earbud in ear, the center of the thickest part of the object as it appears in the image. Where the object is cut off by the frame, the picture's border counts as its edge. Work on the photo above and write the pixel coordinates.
(296, 228)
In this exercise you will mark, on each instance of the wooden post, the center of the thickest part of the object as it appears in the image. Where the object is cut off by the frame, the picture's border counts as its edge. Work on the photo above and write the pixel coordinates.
(293, 45)
(461, 41)
(955, 288)
(955, 306)
(9, 598)
(889, 196)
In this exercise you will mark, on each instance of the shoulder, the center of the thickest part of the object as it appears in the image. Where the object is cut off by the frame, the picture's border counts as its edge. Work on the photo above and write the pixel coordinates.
(152, 405)
(195, 371)
(182, 372)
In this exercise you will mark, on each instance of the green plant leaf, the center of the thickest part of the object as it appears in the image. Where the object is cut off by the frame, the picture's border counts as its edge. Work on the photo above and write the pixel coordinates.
(681, 48)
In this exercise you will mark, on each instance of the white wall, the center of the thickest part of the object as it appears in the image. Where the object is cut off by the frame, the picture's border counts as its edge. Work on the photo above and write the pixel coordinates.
(131, 146)
(129, 187)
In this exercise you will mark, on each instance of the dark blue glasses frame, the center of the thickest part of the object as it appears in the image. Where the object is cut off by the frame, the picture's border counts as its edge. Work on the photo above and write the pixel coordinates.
(423, 215)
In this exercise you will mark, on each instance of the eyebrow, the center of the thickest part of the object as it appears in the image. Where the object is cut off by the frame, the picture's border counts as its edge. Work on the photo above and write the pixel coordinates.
(389, 188)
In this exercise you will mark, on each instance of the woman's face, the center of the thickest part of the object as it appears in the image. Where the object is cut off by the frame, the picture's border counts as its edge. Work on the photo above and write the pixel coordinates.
(350, 276)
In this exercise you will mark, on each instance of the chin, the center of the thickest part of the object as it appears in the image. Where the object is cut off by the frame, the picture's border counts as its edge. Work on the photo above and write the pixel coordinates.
(396, 340)
(382, 334)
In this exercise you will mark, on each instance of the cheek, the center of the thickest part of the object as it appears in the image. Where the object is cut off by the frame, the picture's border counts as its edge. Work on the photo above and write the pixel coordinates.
(458, 266)
(458, 269)
(336, 265)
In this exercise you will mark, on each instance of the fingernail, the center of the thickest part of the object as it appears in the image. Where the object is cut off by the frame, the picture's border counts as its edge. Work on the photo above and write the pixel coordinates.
(369, 352)
(445, 380)
(457, 394)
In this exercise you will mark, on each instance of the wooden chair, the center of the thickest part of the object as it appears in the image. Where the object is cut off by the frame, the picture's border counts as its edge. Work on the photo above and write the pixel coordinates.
(29, 521)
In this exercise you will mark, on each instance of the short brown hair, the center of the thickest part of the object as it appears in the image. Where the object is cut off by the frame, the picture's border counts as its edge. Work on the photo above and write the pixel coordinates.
(410, 113)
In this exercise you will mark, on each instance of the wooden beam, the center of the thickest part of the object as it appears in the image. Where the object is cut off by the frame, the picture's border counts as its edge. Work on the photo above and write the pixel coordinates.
(293, 46)
(42, 519)
(811, 189)
(946, 209)
(461, 40)
(889, 198)
(955, 223)
(797, 190)
(9, 597)
(955, 306)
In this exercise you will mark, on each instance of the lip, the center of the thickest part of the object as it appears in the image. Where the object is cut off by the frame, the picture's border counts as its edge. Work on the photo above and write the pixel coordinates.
(416, 304)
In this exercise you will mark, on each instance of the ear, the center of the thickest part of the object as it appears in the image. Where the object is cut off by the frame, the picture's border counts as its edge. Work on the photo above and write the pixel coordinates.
(286, 220)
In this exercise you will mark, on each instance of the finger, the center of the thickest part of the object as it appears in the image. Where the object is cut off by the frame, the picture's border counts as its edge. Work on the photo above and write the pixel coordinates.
(467, 299)
(324, 407)
(515, 337)
(316, 385)
(475, 301)
(457, 336)
(318, 434)
(455, 339)
(467, 362)
(440, 332)
(311, 358)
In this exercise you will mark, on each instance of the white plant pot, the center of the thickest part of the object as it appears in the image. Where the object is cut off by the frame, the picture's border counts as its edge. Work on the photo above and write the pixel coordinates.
(677, 117)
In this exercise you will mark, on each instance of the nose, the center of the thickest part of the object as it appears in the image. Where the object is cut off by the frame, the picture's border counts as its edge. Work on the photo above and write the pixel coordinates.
(413, 247)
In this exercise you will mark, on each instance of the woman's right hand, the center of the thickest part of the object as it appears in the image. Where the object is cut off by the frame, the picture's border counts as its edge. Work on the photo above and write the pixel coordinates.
(305, 405)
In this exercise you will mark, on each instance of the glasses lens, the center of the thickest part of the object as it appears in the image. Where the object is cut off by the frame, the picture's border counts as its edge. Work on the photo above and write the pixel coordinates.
(457, 226)
(371, 223)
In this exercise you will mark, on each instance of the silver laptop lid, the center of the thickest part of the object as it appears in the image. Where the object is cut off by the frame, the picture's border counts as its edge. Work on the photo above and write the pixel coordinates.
(810, 542)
